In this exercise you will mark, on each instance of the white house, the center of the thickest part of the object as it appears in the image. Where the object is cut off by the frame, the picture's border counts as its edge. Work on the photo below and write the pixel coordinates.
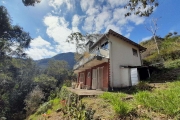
(112, 62)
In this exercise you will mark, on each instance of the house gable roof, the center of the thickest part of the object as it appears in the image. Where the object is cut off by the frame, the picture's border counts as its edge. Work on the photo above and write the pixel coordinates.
(141, 48)
(111, 32)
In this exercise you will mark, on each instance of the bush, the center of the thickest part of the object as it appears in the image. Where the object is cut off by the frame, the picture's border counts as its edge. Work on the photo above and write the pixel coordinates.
(33, 100)
(141, 86)
(44, 108)
(172, 64)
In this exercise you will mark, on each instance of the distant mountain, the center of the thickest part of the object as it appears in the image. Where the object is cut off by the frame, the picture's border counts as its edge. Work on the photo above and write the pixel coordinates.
(68, 57)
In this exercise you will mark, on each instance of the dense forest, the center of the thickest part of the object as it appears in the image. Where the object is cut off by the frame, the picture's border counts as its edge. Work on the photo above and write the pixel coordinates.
(23, 84)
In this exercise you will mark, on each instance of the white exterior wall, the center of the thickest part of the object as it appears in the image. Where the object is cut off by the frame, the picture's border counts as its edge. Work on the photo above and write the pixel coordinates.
(121, 54)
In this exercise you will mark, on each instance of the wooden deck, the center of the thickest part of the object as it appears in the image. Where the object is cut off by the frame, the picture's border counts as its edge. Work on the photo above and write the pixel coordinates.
(84, 92)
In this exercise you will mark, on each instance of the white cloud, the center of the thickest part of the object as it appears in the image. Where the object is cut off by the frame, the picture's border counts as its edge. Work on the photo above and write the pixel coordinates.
(85, 5)
(39, 42)
(37, 53)
(89, 24)
(116, 3)
(57, 28)
(119, 17)
(92, 11)
(113, 27)
(75, 21)
(146, 38)
(40, 48)
(58, 3)
(96, 16)
(136, 19)
(108, 16)
(102, 20)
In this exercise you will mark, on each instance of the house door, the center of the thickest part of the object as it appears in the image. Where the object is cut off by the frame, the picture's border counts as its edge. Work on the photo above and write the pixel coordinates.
(100, 78)
(124, 77)
(94, 79)
(82, 78)
(134, 76)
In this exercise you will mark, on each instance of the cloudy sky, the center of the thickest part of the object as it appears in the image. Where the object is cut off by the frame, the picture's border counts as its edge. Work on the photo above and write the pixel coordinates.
(51, 21)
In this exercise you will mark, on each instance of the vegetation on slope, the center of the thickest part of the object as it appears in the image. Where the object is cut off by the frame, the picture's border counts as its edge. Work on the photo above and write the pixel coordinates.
(160, 102)
(169, 49)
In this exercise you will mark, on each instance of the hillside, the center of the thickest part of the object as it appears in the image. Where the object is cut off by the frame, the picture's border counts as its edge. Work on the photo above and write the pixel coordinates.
(68, 57)
(157, 98)
(169, 49)
(145, 102)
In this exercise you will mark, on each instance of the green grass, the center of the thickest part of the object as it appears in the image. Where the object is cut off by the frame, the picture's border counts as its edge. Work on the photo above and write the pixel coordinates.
(56, 104)
(115, 99)
(163, 101)
(47, 107)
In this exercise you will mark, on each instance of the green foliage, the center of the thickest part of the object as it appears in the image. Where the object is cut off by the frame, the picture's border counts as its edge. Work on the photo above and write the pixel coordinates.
(4, 77)
(12, 36)
(44, 108)
(45, 81)
(167, 52)
(58, 70)
(74, 108)
(172, 64)
(67, 83)
(164, 101)
(121, 107)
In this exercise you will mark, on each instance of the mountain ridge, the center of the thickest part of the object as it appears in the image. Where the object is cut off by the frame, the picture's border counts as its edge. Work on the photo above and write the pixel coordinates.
(68, 57)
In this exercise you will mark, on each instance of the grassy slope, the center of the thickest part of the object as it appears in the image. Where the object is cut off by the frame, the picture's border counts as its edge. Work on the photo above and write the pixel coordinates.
(160, 102)
(169, 49)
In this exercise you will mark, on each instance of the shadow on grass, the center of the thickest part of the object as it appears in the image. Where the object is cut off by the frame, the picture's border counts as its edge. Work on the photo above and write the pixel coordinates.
(142, 86)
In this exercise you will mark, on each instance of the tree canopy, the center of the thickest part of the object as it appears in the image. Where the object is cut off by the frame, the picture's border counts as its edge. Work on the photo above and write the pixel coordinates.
(30, 2)
(141, 7)
(13, 39)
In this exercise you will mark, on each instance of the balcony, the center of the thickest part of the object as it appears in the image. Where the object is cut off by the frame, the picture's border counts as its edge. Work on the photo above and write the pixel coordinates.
(92, 59)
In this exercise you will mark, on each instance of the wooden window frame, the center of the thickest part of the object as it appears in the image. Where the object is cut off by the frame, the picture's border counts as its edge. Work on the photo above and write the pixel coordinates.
(135, 52)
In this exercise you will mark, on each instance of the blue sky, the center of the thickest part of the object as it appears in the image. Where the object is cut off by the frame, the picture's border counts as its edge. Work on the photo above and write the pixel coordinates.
(51, 21)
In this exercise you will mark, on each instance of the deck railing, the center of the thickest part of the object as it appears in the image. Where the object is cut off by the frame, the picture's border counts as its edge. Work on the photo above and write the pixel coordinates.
(85, 59)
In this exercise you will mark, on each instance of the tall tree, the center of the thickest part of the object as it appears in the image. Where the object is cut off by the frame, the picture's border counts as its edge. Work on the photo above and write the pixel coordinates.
(153, 29)
(13, 40)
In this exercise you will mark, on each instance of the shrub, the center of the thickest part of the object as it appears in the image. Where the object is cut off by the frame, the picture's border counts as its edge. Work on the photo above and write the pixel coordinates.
(33, 100)
(44, 108)
(143, 86)
(172, 64)
(67, 83)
